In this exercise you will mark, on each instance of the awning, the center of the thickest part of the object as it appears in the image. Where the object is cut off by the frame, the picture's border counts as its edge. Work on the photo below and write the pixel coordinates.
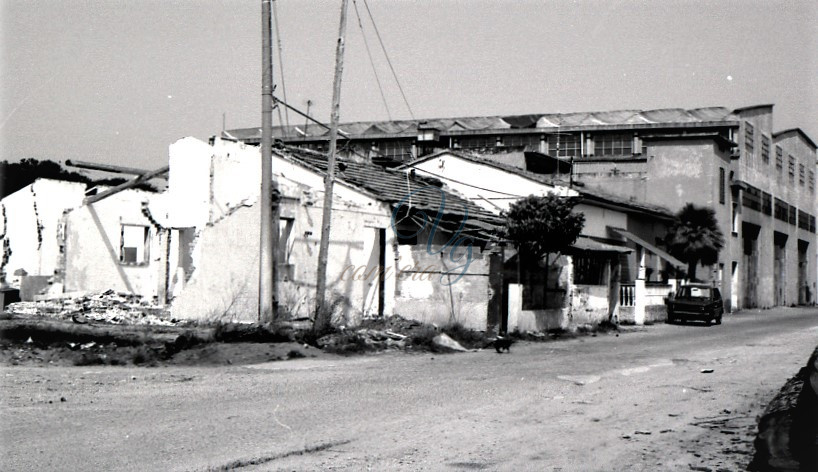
(659, 252)
(584, 243)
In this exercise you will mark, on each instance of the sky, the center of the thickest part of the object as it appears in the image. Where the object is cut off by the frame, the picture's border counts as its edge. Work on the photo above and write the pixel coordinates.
(118, 81)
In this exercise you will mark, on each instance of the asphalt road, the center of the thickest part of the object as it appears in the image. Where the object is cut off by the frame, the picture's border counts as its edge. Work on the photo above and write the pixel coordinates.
(637, 401)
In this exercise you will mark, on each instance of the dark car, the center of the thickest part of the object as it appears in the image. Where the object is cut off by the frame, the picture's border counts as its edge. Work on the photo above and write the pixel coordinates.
(696, 302)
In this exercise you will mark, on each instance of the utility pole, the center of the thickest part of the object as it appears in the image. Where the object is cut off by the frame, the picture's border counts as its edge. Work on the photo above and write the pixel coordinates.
(322, 315)
(266, 279)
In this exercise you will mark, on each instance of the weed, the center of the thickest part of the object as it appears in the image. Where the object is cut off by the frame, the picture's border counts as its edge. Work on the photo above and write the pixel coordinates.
(422, 336)
(89, 359)
(469, 338)
(295, 354)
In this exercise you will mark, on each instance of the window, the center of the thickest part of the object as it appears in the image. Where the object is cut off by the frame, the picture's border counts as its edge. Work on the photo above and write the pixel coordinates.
(285, 240)
(613, 145)
(397, 150)
(689, 291)
(766, 203)
(811, 182)
(781, 210)
(779, 159)
(801, 175)
(589, 270)
(564, 145)
(793, 215)
(722, 188)
(751, 198)
(803, 220)
(735, 218)
(791, 169)
(765, 149)
(133, 246)
(749, 139)
(531, 141)
(473, 142)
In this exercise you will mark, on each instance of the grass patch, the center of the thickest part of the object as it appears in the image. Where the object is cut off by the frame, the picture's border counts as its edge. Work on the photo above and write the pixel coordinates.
(421, 337)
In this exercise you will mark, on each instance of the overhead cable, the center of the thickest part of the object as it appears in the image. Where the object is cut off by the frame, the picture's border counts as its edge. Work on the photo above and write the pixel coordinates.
(280, 65)
(394, 74)
(371, 62)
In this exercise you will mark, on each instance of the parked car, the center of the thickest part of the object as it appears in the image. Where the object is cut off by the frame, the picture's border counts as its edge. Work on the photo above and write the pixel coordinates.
(696, 302)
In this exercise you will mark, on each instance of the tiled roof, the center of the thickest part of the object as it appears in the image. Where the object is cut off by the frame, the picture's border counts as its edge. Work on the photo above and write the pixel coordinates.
(667, 116)
(394, 186)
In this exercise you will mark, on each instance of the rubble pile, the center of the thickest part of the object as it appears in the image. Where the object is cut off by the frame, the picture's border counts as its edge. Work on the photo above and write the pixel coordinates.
(364, 339)
(108, 307)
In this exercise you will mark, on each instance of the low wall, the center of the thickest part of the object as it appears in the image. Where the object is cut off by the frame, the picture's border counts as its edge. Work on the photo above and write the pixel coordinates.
(589, 305)
(532, 320)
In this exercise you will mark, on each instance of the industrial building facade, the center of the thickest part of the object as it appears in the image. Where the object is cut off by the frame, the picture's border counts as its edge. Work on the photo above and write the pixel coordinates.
(760, 183)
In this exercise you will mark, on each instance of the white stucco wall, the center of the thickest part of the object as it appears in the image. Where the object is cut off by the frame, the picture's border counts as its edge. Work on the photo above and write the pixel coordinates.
(31, 226)
(93, 247)
(481, 182)
(224, 282)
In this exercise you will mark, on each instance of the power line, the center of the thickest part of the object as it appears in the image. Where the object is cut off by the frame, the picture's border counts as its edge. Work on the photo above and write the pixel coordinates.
(394, 74)
(371, 62)
(280, 65)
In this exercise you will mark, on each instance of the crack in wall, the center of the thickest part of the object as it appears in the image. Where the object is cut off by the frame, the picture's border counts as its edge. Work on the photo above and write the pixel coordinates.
(5, 250)
(40, 226)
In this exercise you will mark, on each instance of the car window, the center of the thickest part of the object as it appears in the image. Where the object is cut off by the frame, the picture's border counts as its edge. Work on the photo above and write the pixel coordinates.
(694, 292)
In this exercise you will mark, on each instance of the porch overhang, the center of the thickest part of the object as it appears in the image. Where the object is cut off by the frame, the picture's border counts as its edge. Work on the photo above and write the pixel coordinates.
(585, 243)
(650, 247)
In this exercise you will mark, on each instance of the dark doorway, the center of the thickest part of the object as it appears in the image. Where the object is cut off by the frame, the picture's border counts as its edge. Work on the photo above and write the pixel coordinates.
(381, 270)
(780, 268)
(805, 296)
(750, 261)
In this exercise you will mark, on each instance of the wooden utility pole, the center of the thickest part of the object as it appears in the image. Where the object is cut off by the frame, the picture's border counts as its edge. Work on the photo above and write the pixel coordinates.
(266, 279)
(322, 315)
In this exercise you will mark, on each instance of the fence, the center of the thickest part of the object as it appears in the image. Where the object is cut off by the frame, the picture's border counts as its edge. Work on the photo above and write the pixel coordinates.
(627, 294)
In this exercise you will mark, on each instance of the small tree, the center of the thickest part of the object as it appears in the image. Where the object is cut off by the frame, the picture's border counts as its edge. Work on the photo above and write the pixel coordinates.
(695, 237)
(541, 226)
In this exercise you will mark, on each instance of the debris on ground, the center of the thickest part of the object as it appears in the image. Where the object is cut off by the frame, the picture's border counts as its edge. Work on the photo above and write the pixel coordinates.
(109, 307)
(444, 342)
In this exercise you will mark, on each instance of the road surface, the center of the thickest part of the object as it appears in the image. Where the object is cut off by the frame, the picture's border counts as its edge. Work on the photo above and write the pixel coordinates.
(643, 400)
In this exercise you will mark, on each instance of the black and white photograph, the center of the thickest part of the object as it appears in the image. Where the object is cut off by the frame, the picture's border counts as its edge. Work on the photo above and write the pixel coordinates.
(408, 235)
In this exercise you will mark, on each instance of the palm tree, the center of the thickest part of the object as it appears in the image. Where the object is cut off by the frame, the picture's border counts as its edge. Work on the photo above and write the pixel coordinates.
(695, 237)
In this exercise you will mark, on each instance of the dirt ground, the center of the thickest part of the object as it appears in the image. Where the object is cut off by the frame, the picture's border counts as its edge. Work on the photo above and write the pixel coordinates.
(665, 397)
(210, 354)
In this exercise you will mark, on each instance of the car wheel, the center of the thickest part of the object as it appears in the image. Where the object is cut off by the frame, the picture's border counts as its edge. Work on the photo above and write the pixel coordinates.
(718, 318)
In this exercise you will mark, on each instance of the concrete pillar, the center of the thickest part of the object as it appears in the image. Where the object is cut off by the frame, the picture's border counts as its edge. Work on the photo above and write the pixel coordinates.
(639, 302)
(515, 305)
(639, 289)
